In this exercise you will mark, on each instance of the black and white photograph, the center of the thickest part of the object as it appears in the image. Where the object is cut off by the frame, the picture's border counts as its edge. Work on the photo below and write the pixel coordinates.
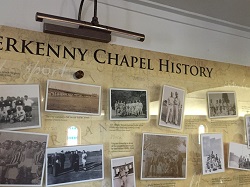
(239, 156)
(247, 124)
(212, 153)
(221, 104)
(128, 104)
(73, 98)
(19, 107)
(22, 158)
(164, 157)
(74, 164)
(172, 107)
(123, 172)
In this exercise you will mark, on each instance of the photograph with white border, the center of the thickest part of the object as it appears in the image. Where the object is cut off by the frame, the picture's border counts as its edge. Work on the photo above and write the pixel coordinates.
(19, 107)
(74, 164)
(239, 156)
(22, 158)
(212, 154)
(73, 98)
(164, 157)
(128, 104)
(247, 124)
(123, 172)
(172, 107)
(221, 104)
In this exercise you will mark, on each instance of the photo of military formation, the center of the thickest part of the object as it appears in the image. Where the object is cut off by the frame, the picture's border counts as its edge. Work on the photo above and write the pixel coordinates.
(164, 157)
(74, 164)
(19, 106)
(172, 107)
(126, 104)
(221, 104)
(22, 158)
(212, 153)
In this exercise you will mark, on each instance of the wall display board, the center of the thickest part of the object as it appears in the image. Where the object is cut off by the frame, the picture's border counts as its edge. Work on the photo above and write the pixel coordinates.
(33, 58)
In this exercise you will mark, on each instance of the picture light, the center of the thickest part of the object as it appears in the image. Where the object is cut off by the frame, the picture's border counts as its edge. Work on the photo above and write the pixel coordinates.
(82, 29)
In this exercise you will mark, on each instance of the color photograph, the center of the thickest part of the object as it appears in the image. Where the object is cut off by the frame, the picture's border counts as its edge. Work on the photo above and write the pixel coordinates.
(239, 156)
(73, 98)
(128, 104)
(172, 107)
(164, 157)
(19, 107)
(212, 153)
(22, 158)
(123, 172)
(221, 104)
(74, 164)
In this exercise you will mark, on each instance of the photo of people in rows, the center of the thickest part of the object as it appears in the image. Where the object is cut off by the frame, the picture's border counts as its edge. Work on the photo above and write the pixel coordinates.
(221, 104)
(21, 162)
(213, 163)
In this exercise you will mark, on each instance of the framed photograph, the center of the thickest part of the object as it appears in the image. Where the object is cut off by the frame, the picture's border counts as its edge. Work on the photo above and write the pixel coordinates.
(239, 156)
(74, 164)
(123, 172)
(172, 107)
(212, 154)
(247, 123)
(128, 104)
(164, 157)
(74, 98)
(22, 158)
(19, 107)
(221, 104)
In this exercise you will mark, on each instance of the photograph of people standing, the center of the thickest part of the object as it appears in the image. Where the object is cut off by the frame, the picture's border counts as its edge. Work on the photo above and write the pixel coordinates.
(172, 107)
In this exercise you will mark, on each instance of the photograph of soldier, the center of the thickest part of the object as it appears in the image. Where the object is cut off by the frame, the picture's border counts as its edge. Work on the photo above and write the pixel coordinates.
(247, 124)
(172, 107)
(212, 153)
(123, 172)
(128, 104)
(221, 104)
(19, 107)
(22, 158)
(239, 156)
(74, 164)
(164, 157)
(73, 98)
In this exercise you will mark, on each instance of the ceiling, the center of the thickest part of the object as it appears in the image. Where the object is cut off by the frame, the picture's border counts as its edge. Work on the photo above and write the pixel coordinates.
(231, 13)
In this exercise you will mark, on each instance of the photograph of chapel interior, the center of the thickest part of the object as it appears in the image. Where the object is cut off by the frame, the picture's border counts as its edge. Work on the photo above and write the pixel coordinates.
(199, 47)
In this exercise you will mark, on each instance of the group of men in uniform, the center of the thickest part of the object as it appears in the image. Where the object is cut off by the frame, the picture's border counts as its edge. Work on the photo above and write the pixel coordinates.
(213, 163)
(173, 108)
(21, 162)
(244, 162)
(221, 108)
(131, 108)
(15, 109)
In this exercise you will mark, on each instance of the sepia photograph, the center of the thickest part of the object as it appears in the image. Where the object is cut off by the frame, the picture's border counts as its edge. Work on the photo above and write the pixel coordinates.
(247, 124)
(221, 104)
(172, 107)
(164, 157)
(212, 153)
(22, 158)
(123, 172)
(73, 98)
(19, 107)
(239, 156)
(74, 164)
(128, 104)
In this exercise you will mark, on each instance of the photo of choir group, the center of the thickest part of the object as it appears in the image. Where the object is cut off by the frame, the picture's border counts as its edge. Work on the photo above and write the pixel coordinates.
(221, 104)
(128, 104)
(172, 107)
(163, 157)
(22, 158)
(123, 172)
(19, 106)
(239, 156)
(67, 165)
(212, 153)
